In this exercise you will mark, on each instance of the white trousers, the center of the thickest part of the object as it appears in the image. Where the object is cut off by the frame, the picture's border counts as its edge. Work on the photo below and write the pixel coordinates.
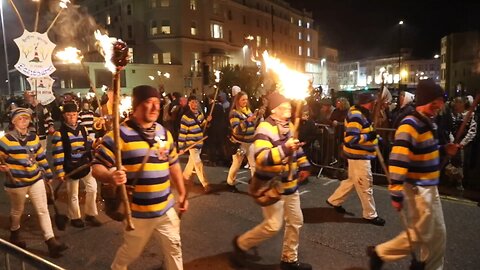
(248, 149)
(288, 209)
(167, 231)
(38, 196)
(359, 177)
(90, 197)
(425, 214)
(194, 161)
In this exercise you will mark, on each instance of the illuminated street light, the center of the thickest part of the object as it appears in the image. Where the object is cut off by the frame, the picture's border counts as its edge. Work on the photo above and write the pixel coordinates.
(249, 37)
(400, 22)
(436, 56)
(403, 74)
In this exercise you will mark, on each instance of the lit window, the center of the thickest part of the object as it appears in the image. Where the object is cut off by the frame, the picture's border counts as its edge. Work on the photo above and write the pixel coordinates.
(309, 53)
(164, 3)
(109, 20)
(299, 50)
(153, 28)
(259, 41)
(193, 29)
(216, 30)
(266, 42)
(166, 27)
(299, 22)
(130, 53)
(300, 35)
(308, 37)
(167, 58)
(195, 65)
(155, 58)
(193, 4)
(308, 25)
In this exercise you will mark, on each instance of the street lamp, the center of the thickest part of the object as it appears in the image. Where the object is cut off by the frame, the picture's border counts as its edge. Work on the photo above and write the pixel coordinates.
(5, 48)
(400, 23)
(436, 56)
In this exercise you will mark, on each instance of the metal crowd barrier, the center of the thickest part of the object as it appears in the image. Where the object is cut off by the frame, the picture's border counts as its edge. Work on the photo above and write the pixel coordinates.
(25, 258)
(325, 151)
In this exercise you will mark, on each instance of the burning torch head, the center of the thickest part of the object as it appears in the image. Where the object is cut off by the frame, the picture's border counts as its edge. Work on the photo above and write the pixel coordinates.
(120, 54)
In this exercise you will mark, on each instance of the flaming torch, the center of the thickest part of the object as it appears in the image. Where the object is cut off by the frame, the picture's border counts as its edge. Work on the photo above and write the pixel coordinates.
(63, 5)
(293, 85)
(115, 52)
(72, 55)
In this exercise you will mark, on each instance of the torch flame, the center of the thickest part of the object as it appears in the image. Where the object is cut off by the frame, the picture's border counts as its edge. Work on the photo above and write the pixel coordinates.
(125, 105)
(2, 133)
(63, 3)
(293, 84)
(70, 55)
(106, 45)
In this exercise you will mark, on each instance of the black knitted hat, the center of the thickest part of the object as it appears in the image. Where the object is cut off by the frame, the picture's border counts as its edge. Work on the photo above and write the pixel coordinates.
(427, 91)
(70, 107)
(143, 92)
(275, 99)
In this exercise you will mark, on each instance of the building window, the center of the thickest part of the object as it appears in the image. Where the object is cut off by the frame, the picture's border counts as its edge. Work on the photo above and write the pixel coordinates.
(216, 30)
(216, 7)
(259, 41)
(129, 10)
(195, 64)
(193, 4)
(130, 32)
(109, 19)
(308, 25)
(193, 29)
(130, 53)
(167, 58)
(153, 3)
(229, 15)
(164, 3)
(309, 52)
(166, 27)
(299, 35)
(300, 50)
(308, 37)
(299, 22)
(155, 58)
(230, 36)
(153, 28)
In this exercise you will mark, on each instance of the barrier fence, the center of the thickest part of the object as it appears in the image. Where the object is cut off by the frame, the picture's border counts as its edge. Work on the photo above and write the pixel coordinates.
(24, 258)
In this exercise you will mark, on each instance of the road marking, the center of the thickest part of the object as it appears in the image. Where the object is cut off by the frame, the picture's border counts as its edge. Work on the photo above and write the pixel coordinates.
(329, 182)
(304, 192)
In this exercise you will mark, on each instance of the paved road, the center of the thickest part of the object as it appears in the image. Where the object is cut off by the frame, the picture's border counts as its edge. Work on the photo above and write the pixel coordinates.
(328, 240)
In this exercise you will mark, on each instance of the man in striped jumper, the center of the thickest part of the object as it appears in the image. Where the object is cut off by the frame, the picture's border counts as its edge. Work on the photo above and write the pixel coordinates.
(273, 146)
(71, 150)
(86, 117)
(414, 167)
(359, 147)
(42, 121)
(152, 199)
(192, 124)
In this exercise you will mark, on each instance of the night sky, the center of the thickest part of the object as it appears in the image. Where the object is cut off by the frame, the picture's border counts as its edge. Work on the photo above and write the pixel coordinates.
(368, 28)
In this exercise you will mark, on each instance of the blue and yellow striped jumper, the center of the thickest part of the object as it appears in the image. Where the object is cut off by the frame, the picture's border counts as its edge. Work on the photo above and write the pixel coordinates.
(271, 156)
(356, 142)
(77, 143)
(26, 160)
(152, 196)
(242, 130)
(191, 129)
(415, 155)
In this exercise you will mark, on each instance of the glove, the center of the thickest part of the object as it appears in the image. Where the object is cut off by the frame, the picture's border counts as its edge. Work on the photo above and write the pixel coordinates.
(397, 202)
(372, 135)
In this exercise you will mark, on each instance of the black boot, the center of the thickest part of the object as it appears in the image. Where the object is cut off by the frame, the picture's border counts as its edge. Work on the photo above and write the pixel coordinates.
(55, 247)
(92, 221)
(16, 240)
(238, 257)
(376, 262)
(295, 266)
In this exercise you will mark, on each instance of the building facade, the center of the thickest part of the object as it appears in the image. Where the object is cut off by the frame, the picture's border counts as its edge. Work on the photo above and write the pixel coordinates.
(367, 73)
(201, 36)
(328, 68)
(460, 63)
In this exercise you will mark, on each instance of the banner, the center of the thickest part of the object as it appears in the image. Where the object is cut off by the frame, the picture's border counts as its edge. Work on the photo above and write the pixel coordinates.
(35, 54)
(42, 87)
